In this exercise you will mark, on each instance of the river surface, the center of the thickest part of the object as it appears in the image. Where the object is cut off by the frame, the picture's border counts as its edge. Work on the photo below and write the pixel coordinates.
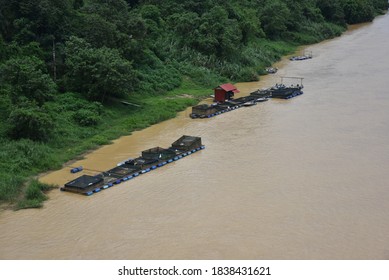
(305, 178)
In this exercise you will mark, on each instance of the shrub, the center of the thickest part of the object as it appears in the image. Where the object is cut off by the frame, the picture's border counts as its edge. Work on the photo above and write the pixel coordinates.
(30, 122)
(34, 195)
(86, 117)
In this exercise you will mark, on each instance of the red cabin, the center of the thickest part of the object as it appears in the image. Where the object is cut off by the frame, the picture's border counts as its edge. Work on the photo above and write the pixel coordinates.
(225, 92)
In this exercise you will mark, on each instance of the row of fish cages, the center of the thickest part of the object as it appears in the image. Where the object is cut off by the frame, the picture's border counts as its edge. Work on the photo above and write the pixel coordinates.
(149, 160)
(280, 91)
(211, 110)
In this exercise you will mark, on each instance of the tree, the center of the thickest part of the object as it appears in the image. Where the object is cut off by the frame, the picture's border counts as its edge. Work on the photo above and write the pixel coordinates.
(217, 34)
(97, 31)
(25, 78)
(275, 18)
(332, 10)
(97, 72)
(30, 121)
(249, 22)
(358, 11)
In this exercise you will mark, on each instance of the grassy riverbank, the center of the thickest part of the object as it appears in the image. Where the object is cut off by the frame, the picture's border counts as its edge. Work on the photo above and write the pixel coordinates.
(64, 67)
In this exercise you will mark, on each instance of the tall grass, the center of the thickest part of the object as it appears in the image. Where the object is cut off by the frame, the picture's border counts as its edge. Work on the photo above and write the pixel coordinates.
(34, 195)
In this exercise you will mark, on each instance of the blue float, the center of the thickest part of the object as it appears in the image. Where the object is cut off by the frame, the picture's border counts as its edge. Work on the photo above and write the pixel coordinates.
(76, 169)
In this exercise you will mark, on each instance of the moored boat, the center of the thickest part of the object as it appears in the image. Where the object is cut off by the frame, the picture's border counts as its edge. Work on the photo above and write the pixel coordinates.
(306, 55)
(271, 70)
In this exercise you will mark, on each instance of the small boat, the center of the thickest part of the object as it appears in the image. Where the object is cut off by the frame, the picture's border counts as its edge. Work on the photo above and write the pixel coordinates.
(261, 99)
(123, 162)
(306, 55)
(250, 103)
(271, 70)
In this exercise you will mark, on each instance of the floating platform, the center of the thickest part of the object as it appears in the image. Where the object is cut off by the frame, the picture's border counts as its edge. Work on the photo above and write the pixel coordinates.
(286, 91)
(150, 160)
(208, 111)
(84, 184)
(277, 91)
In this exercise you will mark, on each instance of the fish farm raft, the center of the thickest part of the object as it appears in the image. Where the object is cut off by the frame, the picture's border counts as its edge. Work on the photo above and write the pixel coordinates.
(150, 159)
(224, 101)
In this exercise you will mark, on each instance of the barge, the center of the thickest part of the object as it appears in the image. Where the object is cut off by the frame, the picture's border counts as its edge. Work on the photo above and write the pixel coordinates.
(149, 160)
(286, 92)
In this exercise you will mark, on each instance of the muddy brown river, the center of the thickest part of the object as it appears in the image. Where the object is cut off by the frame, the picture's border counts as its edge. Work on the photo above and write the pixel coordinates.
(305, 178)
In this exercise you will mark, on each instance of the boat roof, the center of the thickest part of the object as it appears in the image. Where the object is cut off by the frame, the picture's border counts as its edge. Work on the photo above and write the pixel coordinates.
(229, 87)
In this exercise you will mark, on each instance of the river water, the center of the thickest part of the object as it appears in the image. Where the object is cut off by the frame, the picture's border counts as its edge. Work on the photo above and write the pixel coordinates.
(305, 178)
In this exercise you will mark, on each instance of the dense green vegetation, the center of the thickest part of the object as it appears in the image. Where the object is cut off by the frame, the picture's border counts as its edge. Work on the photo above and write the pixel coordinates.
(65, 64)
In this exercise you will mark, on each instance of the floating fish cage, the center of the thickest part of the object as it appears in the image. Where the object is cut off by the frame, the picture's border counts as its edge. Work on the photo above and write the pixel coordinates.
(203, 110)
(244, 99)
(141, 163)
(122, 170)
(261, 93)
(84, 184)
(286, 92)
(187, 143)
(151, 159)
(208, 111)
(158, 153)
